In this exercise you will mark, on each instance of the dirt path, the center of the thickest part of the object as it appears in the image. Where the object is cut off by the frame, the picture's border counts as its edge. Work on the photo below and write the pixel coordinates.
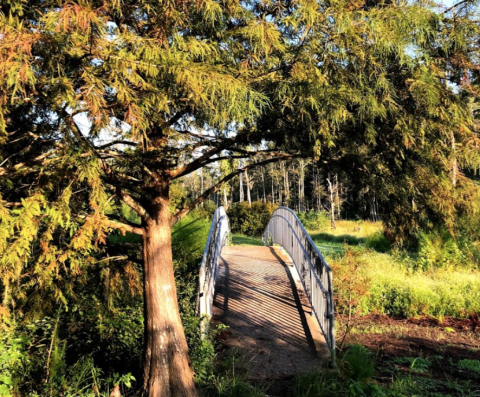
(261, 300)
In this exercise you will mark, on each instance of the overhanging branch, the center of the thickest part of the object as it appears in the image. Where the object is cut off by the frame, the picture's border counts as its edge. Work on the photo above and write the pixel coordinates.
(184, 212)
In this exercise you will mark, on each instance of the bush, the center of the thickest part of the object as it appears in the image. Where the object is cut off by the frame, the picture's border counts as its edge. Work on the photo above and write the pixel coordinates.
(439, 250)
(207, 209)
(396, 289)
(250, 220)
(378, 242)
(33, 363)
(314, 220)
(353, 378)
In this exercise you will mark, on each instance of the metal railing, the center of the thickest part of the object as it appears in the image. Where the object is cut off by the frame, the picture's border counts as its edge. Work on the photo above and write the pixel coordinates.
(285, 229)
(217, 238)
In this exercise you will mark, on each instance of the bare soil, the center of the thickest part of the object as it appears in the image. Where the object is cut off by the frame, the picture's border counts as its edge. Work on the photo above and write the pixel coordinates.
(397, 343)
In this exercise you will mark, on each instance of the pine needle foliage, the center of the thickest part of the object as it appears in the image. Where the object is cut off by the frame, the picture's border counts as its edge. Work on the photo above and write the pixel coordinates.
(107, 102)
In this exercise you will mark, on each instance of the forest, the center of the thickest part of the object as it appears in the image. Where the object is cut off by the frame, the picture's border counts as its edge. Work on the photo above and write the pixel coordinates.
(124, 124)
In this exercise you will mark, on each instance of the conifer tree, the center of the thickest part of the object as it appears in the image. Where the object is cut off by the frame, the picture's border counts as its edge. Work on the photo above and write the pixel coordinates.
(109, 102)
(104, 102)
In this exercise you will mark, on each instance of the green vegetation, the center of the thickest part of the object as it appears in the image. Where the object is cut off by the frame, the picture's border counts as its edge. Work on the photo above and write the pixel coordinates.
(356, 367)
(398, 284)
(250, 220)
(240, 239)
(72, 354)
(469, 365)
(358, 375)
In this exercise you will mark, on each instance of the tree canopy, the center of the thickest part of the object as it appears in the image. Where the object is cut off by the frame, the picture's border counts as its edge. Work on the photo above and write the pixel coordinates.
(109, 102)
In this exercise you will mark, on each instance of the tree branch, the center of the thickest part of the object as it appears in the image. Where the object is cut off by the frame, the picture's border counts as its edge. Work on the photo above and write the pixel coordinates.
(455, 6)
(125, 227)
(119, 142)
(134, 205)
(184, 212)
(120, 219)
(194, 165)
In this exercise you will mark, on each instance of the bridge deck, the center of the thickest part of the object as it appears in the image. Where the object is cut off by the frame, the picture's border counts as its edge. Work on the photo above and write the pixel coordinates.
(261, 299)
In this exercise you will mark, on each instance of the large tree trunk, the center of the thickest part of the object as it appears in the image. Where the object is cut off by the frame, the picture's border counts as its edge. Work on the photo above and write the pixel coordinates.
(167, 371)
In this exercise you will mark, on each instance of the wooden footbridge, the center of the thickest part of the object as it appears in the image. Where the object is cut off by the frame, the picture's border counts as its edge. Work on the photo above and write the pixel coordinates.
(277, 300)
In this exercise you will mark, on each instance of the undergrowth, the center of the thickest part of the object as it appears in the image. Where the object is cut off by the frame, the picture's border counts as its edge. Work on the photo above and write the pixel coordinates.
(359, 373)
(439, 280)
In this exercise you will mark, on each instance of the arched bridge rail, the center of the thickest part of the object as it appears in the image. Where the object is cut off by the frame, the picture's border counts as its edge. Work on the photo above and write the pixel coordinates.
(286, 230)
(216, 240)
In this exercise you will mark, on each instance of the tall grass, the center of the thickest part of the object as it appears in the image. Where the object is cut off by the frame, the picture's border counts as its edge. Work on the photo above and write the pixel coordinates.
(395, 289)
(401, 284)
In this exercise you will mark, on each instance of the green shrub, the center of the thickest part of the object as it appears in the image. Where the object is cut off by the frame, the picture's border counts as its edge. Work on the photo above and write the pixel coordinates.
(33, 363)
(378, 242)
(13, 360)
(439, 251)
(207, 209)
(250, 220)
(358, 364)
(314, 220)
(353, 377)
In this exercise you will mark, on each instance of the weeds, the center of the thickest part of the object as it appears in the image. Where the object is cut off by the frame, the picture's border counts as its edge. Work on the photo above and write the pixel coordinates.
(469, 365)
(354, 377)
(230, 379)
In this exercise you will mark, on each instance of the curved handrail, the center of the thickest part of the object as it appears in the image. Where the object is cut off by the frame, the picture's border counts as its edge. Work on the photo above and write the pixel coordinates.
(217, 238)
(285, 229)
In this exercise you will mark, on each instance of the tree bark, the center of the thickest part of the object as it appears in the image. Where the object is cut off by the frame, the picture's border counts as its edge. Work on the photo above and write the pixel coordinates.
(167, 372)
(247, 182)
(241, 187)
(332, 204)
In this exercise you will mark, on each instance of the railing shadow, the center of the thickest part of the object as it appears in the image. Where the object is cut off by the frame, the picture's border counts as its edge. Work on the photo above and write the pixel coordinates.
(260, 303)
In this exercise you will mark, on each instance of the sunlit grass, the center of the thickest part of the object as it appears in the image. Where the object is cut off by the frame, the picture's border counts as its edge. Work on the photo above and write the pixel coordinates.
(356, 229)
(394, 287)
(240, 239)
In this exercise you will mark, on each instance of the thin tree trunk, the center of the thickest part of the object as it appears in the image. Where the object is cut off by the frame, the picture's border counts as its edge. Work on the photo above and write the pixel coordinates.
(247, 182)
(225, 197)
(337, 197)
(263, 182)
(301, 186)
(201, 185)
(332, 204)
(286, 186)
(167, 372)
(241, 187)
(273, 192)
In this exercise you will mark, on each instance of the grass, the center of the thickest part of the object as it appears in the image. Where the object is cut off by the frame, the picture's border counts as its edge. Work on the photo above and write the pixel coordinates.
(240, 239)
(394, 287)
(368, 234)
